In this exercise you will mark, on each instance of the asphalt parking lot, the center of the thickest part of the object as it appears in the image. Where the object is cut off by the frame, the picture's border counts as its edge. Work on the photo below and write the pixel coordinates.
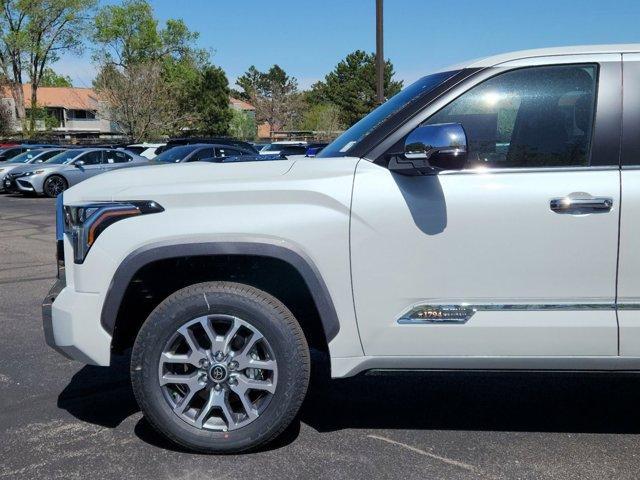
(60, 419)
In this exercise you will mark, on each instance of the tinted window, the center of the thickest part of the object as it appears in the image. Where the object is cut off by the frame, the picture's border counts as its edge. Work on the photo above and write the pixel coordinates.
(24, 157)
(175, 154)
(228, 152)
(137, 150)
(48, 154)
(11, 152)
(64, 157)
(293, 150)
(116, 156)
(92, 158)
(201, 155)
(532, 117)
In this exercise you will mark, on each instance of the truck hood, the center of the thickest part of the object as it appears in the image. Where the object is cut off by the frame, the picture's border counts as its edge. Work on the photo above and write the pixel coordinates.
(147, 182)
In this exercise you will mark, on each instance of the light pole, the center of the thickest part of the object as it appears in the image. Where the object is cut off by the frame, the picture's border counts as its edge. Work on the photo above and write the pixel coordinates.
(379, 54)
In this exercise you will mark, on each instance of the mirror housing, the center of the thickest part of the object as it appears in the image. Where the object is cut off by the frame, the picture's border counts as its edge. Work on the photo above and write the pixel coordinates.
(443, 142)
(78, 163)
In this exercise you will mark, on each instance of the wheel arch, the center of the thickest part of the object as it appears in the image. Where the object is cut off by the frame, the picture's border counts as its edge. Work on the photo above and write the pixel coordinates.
(294, 258)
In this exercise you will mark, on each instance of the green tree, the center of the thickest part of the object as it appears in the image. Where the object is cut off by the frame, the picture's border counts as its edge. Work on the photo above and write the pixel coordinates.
(138, 99)
(33, 34)
(323, 119)
(132, 43)
(51, 79)
(212, 109)
(128, 33)
(243, 125)
(351, 86)
(273, 93)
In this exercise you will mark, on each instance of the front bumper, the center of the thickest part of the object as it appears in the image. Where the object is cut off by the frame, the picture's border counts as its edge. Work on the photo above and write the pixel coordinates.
(25, 186)
(47, 317)
(8, 184)
(71, 322)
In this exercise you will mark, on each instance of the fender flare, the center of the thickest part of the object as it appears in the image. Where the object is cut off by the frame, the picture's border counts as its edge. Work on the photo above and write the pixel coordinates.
(145, 255)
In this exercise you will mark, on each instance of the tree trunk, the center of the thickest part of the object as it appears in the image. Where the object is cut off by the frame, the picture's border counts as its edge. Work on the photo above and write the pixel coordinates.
(34, 107)
(18, 99)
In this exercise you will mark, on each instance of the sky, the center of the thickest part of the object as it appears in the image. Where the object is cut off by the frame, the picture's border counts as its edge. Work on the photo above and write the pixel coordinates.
(308, 38)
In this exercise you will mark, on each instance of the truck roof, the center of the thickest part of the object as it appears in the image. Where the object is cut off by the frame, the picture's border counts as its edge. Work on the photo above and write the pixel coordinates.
(494, 60)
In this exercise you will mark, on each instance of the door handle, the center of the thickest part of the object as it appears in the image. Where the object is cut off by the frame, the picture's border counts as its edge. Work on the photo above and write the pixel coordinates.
(575, 204)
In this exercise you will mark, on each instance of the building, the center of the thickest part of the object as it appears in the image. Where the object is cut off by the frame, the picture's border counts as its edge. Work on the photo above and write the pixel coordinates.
(73, 112)
(241, 105)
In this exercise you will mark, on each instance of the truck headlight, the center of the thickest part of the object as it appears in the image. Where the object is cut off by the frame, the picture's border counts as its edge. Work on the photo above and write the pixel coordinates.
(83, 224)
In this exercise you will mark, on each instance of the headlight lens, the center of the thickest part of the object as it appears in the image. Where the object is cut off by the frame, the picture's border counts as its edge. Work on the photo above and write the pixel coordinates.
(84, 223)
(36, 172)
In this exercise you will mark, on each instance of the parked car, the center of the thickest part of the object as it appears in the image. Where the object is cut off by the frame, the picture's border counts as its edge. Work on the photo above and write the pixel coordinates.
(230, 142)
(147, 150)
(71, 167)
(8, 153)
(200, 151)
(29, 157)
(287, 147)
(473, 221)
(314, 149)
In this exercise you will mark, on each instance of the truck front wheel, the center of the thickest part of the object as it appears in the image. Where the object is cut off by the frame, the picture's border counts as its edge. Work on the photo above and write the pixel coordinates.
(220, 367)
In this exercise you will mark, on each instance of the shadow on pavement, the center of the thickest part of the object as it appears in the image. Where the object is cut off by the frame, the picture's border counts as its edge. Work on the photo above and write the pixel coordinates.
(99, 395)
(484, 401)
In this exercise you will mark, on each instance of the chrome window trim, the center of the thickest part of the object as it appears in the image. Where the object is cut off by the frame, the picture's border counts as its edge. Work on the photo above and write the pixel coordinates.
(458, 314)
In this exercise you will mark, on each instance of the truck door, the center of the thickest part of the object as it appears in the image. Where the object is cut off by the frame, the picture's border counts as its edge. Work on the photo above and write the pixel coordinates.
(514, 253)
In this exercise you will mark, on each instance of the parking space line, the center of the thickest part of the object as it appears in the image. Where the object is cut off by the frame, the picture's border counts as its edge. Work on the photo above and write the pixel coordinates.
(419, 451)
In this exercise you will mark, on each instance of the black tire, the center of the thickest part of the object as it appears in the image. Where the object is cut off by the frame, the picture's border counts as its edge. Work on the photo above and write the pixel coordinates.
(262, 311)
(54, 185)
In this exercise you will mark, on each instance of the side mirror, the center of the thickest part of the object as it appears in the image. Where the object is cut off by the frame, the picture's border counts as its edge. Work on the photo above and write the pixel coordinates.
(442, 143)
(79, 163)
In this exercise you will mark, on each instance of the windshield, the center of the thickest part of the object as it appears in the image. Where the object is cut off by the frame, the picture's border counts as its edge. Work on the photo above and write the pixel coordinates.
(341, 146)
(25, 156)
(175, 154)
(64, 157)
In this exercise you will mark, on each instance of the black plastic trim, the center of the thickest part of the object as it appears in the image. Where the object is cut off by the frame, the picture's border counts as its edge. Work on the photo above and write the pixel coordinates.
(145, 255)
(631, 112)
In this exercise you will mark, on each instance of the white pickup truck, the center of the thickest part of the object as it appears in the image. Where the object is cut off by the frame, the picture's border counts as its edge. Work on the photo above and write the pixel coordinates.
(486, 217)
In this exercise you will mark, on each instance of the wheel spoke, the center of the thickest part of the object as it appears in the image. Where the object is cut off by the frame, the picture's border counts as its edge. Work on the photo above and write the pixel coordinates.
(248, 347)
(245, 384)
(217, 399)
(216, 340)
(168, 357)
(197, 354)
(190, 380)
(230, 335)
(184, 403)
(244, 361)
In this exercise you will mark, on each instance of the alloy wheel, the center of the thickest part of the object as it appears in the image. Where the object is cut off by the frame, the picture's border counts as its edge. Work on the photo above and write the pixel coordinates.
(218, 372)
(55, 186)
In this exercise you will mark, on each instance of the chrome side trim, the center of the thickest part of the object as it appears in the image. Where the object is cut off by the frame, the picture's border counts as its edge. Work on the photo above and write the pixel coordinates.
(491, 171)
(460, 314)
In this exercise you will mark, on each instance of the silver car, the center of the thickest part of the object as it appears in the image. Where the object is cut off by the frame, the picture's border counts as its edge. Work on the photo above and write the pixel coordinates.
(70, 167)
(29, 157)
